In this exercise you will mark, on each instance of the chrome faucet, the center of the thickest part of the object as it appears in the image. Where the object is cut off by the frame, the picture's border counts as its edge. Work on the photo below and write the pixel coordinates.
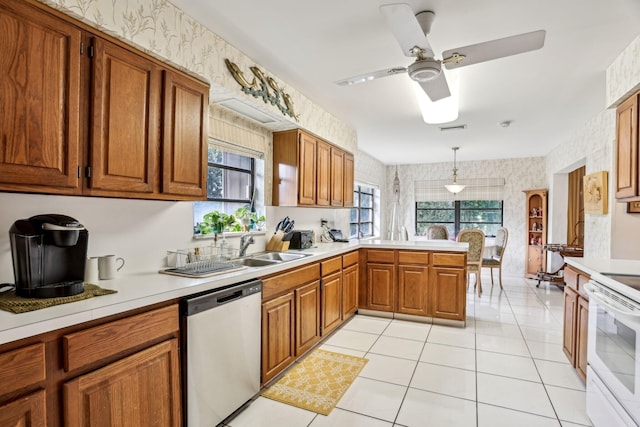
(245, 241)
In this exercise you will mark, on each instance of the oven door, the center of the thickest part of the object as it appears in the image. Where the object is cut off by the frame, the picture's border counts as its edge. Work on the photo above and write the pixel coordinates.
(614, 345)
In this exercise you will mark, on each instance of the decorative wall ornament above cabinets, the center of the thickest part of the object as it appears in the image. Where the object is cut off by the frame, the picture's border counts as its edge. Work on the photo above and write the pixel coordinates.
(264, 87)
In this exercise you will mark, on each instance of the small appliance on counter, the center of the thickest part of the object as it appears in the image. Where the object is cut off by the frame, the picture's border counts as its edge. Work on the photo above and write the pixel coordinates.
(49, 253)
(301, 239)
(330, 234)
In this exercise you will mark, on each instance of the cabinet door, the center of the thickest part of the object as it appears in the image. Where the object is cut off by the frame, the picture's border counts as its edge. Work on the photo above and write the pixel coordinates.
(413, 282)
(381, 287)
(40, 78)
(331, 302)
(337, 177)
(534, 260)
(278, 344)
(307, 316)
(448, 293)
(627, 148)
(349, 291)
(323, 187)
(348, 179)
(25, 411)
(307, 170)
(118, 394)
(569, 327)
(125, 134)
(582, 326)
(184, 144)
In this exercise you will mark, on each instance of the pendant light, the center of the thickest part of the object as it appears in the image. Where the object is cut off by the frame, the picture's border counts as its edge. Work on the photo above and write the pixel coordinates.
(455, 187)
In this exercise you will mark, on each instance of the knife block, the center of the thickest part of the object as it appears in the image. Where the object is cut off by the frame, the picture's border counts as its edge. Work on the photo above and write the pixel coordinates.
(276, 243)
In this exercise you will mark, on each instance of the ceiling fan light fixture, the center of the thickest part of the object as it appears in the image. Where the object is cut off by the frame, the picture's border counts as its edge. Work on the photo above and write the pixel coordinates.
(424, 70)
(443, 111)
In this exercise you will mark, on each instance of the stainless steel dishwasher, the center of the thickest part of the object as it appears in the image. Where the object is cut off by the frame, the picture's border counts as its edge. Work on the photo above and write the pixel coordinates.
(221, 352)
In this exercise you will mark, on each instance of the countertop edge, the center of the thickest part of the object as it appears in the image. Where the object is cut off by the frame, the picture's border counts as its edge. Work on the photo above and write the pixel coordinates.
(152, 288)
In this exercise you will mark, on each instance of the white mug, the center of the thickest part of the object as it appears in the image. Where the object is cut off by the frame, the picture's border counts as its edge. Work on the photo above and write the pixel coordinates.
(107, 266)
(91, 270)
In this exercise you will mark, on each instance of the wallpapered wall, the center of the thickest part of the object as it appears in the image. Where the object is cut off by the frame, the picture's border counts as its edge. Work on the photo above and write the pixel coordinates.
(163, 30)
(593, 143)
(520, 174)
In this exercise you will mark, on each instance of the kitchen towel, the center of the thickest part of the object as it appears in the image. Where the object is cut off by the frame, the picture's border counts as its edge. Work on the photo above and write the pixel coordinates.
(318, 382)
(15, 304)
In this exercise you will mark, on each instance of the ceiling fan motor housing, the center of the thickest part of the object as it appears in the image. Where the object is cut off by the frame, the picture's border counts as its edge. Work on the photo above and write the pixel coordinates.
(424, 70)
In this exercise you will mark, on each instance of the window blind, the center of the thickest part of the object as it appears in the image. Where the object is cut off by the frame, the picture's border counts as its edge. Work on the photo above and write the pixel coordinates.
(476, 189)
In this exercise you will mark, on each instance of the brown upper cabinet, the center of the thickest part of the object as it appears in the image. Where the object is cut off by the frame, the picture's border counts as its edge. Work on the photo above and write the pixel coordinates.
(86, 114)
(627, 187)
(308, 171)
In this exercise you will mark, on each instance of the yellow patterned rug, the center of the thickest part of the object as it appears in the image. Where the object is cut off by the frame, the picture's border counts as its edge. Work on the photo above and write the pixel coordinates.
(318, 382)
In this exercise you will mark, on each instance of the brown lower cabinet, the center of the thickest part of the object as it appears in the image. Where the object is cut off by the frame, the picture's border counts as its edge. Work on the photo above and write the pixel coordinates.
(142, 389)
(576, 319)
(290, 317)
(332, 283)
(422, 283)
(29, 410)
(350, 274)
(123, 371)
(301, 305)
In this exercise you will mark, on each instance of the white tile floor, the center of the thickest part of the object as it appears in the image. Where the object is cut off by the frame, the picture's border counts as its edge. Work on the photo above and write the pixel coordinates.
(506, 368)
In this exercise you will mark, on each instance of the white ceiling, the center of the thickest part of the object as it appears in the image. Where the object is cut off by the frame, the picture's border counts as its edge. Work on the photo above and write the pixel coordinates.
(546, 94)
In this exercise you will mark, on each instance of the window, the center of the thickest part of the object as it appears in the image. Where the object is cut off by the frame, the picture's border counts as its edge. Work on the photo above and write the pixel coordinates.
(231, 182)
(362, 214)
(460, 214)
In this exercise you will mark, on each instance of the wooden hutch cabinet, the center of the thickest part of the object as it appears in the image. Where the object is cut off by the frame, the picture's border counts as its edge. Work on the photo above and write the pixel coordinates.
(536, 237)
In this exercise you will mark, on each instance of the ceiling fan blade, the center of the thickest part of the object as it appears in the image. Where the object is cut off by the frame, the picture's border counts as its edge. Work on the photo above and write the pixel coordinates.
(371, 76)
(405, 28)
(437, 88)
(493, 49)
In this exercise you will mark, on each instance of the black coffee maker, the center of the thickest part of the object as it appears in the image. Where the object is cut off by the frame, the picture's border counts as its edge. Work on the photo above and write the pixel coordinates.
(49, 254)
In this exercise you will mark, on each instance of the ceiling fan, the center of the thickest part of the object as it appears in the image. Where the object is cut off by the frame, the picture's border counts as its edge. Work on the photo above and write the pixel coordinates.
(411, 31)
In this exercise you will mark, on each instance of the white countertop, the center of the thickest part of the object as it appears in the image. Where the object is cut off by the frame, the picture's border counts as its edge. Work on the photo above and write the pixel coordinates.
(596, 267)
(143, 289)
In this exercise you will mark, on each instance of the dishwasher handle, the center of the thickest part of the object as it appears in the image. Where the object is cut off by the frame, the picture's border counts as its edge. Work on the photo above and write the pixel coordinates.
(197, 304)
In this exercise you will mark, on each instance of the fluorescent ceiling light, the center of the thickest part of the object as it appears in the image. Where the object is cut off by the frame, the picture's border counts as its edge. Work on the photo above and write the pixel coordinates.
(444, 110)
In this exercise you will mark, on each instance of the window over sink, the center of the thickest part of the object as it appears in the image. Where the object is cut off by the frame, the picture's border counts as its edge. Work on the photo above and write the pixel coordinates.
(235, 180)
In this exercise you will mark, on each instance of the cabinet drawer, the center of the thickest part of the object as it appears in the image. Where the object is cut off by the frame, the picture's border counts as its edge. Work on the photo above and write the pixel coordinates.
(413, 257)
(350, 259)
(582, 280)
(22, 367)
(331, 265)
(450, 259)
(571, 278)
(280, 283)
(101, 342)
(386, 257)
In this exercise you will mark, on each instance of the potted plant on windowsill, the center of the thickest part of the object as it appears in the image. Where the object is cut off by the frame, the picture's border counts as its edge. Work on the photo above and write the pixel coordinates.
(246, 217)
(216, 222)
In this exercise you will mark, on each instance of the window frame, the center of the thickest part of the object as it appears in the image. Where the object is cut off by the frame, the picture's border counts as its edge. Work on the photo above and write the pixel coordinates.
(457, 210)
(251, 172)
(357, 192)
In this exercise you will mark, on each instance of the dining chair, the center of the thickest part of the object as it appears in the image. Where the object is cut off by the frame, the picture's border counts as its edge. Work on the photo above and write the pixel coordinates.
(475, 238)
(437, 232)
(495, 260)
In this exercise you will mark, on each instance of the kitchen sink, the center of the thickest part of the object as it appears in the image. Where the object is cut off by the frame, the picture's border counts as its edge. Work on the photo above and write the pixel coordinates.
(255, 262)
(279, 256)
(264, 259)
